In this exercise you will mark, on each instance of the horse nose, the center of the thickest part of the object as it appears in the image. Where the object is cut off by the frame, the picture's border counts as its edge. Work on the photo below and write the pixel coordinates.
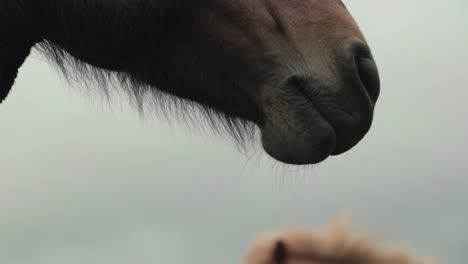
(364, 68)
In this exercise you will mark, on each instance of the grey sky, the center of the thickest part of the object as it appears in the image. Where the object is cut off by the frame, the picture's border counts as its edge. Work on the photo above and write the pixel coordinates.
(82, 182)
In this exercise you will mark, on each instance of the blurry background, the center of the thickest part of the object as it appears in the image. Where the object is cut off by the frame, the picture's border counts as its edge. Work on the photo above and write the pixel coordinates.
(82, 182)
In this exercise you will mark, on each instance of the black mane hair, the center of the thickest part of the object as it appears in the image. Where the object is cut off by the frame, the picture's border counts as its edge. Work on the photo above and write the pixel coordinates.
(169, 21)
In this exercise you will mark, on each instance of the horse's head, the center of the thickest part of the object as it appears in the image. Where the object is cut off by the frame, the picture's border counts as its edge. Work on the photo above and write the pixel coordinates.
(300, 69)
(334, 243)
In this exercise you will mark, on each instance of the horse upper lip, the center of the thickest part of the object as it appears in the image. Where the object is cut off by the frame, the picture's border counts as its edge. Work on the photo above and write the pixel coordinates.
(347, 128)
(316, 106)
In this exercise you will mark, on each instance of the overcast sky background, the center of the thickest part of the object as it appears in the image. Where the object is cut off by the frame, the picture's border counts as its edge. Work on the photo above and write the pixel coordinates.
(82, 182)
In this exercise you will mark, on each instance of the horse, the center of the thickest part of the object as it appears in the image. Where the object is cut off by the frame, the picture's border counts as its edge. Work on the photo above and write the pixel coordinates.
(332, 244)
(299, 71)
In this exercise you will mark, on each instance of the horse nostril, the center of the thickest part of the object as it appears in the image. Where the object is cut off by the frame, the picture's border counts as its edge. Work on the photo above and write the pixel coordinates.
(366, 69)
(280, 253)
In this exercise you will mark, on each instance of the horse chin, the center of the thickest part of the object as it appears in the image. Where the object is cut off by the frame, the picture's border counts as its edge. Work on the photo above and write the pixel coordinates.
(293, 143)
(309, 137)
(301, 130)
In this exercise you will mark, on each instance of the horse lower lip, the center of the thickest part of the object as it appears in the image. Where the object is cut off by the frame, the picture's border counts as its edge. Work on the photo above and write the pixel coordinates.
(328, 147)
(299, 143)
(314, 128)
(336, 150)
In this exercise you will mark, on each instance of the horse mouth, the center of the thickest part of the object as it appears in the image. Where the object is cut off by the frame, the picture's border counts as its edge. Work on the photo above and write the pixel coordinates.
(313, 116)
(282, 254)
(296, 131)
(307, 122)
